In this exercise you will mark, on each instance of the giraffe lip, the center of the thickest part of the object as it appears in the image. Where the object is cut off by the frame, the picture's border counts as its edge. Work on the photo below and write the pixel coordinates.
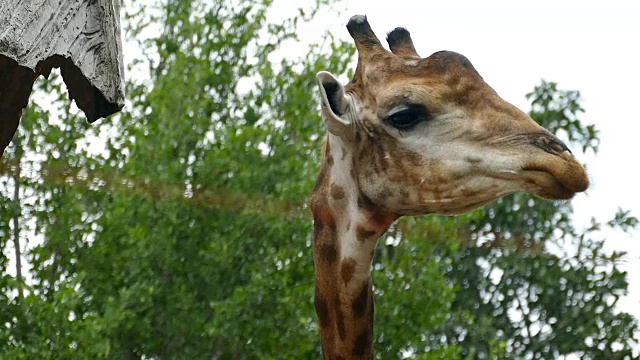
(548, 186)
(556, 175)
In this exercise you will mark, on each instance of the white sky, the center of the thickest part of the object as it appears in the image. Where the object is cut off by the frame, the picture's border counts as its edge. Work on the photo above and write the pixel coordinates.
(590, 46)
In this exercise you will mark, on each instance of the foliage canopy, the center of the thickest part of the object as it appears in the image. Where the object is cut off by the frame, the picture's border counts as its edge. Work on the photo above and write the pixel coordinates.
(187, 236)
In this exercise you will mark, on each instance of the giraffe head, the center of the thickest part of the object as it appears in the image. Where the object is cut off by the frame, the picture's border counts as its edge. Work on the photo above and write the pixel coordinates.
(428, 135)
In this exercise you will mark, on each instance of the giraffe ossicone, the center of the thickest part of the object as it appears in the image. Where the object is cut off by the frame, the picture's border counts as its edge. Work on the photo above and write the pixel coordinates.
(411, 136)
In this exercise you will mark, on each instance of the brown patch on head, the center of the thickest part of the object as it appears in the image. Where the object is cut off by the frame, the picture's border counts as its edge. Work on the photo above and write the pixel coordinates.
(381, 157)
(404, 193)
(363, 234)
(473, 160)
(362, 156)
(470, 193)
(347, 269)
(362, 342)
(359, 305)
(358, 137)
(386, 193)
(450, 61)
(413, 158)
(337, 192)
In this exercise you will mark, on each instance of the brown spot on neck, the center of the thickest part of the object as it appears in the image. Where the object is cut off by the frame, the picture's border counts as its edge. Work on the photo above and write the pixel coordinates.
(322, 216)
(359, 305)
(328, 252)
(339, 319)
(362, 343)
(347, 269)
(321, 308)
(365, 235)
(329, 160)
(337, 192)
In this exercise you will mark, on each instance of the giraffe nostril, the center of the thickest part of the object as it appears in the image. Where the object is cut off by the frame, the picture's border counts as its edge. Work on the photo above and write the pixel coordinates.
(550, 144)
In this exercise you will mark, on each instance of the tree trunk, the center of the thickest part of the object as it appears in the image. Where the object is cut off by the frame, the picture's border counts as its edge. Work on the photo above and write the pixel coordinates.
(16, 225)
(82, 37)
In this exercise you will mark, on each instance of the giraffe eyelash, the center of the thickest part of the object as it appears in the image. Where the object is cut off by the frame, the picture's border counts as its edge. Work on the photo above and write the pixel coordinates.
(406, 117)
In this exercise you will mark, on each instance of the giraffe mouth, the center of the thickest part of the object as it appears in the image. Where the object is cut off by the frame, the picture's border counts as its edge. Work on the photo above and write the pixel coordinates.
(549, 186)
(555, 173)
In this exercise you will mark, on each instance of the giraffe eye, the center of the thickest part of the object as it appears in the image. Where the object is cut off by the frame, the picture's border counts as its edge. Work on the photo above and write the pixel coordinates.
(408, 116)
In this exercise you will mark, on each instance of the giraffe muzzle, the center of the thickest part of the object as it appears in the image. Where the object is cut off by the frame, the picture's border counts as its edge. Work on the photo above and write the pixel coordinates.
(556, 170)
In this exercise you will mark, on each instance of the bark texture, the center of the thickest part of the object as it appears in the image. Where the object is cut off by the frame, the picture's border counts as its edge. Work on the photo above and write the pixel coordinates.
(81, 37)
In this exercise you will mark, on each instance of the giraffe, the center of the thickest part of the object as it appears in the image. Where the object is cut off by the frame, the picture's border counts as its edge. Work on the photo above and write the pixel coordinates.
(411, 136)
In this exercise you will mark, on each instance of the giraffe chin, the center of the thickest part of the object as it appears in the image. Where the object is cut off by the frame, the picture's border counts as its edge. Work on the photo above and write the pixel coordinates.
(450, 208)
(466, 208)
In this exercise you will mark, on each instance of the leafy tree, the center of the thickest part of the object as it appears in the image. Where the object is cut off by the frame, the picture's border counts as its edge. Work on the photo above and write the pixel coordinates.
(187, 236)
(167, 244)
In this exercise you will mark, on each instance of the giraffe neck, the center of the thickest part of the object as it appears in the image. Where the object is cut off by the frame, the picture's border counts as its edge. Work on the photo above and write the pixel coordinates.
(345, 233)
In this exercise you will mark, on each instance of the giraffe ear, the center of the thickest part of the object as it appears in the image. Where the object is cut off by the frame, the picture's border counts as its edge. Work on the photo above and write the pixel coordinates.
(337, 108)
